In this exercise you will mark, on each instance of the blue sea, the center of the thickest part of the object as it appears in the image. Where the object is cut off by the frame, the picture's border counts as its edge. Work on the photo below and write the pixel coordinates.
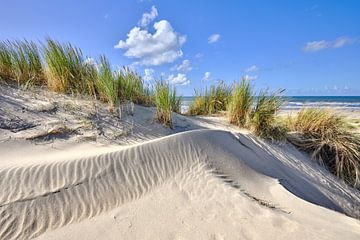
(297, 102)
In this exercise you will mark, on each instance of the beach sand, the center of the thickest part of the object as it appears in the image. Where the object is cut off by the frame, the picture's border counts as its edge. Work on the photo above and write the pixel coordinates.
(70, 170)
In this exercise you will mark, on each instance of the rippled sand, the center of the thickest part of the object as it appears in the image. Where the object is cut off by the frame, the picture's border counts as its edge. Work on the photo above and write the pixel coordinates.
(203, 184)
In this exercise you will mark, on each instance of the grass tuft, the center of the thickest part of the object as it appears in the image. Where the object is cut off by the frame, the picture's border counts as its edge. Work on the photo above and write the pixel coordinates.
(67, 70)
(107, 85)
(132, 87)
(6, 69)
(213, 100)
(21, 61)
(240, 103)
(166, 102)
(327, 137)
(262, 120)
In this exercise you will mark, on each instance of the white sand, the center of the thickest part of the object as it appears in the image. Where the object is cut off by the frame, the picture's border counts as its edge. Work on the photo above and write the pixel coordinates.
(201, 184)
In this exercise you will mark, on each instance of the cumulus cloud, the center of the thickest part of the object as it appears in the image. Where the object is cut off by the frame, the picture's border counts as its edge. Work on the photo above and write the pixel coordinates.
(250, 77)
(185, 66)
(323, 44)
(148, 17)
(179, 79)
(207, 76)
(252, 68)
(163, 46)
(149, 74)
(214, 38)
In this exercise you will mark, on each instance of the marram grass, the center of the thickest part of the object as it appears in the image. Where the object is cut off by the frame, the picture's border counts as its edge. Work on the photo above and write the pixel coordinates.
(132, 87)
(327, 137)
(21, 61)
(240, 103)
(263, 120)
(211, 101)
(166, 102)
(107, 84)
(66, 69)
(6, 67)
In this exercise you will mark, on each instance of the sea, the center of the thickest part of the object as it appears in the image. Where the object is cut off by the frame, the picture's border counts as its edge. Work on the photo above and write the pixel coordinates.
(349, 103)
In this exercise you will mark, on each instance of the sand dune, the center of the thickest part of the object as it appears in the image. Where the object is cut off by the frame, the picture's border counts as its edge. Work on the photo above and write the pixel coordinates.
(243, 183)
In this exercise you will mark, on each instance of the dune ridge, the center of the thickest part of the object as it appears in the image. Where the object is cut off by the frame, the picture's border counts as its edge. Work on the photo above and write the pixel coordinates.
(46, 196)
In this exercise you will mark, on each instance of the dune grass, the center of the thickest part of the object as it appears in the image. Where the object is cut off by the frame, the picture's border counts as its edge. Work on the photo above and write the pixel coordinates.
(66, 69)
(107, 84)
(63, 68)
(166, 102)
(21, 61)
(263, 120)
(132, 87)
(211, 101)
(240, 103)
(327, 137)
(6, 70)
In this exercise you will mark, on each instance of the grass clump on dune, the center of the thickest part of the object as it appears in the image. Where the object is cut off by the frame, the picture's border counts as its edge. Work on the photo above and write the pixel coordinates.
(166, 102)
(62, 67)
(107, 85)
(21, 61)
(327, 137)
(211, 101)
(240, 103)
(6, 70)
(67, 70)
(132, 87)
(262, 118)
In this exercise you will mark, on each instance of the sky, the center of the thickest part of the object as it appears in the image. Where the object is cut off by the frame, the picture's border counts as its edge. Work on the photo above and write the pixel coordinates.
(305, 47)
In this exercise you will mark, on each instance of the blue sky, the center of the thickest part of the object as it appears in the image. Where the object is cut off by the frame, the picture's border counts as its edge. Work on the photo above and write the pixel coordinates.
(306, 47)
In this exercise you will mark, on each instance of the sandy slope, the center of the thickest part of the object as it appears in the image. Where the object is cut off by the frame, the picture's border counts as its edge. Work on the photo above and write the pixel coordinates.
(87, 182)
(203, 184)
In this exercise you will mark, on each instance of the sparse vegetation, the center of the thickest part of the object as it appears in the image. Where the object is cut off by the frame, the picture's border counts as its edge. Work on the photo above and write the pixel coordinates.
(211, 101)
(240, 103)
(262, 118)
(166, 102)
(327, 137)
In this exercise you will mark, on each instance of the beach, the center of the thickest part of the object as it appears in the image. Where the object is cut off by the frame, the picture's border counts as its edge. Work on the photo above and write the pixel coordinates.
(182, 120)
(69, 170)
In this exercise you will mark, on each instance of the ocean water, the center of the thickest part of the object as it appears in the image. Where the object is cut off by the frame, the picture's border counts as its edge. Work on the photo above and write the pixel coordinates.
(297, 102)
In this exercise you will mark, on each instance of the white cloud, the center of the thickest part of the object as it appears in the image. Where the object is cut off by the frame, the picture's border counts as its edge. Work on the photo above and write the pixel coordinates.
(214, 38)
(316, 46)
(250, 77)
(90, 61)
(179, 79)
(323, 44)
(207, 76)
(149, 74)
(185, 66)
(252, 68)
(163, 46)
(342, 41)
(148, 17)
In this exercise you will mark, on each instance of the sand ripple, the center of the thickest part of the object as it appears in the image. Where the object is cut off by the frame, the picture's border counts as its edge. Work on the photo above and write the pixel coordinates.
(37, 198)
